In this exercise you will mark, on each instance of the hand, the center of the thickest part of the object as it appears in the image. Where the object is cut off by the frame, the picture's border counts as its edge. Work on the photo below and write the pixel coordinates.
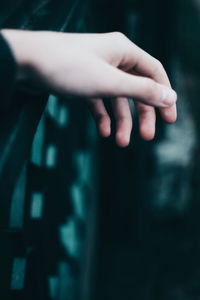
(95, 66)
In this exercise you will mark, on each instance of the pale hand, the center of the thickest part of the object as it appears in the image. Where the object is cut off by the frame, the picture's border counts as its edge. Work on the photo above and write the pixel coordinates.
(95, 66)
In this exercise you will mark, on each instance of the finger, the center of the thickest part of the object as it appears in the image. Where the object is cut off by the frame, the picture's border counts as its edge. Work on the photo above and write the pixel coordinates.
(151, 67)
(116, 83)
(122, 114)
(147, 65)
(157, 72)
(131, 57)
(169, 115)
(143, 63)
(147, 120)
(100, 115)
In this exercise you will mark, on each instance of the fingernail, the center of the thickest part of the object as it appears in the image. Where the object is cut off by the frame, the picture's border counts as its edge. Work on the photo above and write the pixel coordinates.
(169, 97)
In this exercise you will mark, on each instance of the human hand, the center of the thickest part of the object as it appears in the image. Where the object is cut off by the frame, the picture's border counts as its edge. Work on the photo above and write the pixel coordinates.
(95, 66)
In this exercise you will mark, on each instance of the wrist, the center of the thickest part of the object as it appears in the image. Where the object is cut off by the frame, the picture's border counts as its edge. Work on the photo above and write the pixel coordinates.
(18, 42)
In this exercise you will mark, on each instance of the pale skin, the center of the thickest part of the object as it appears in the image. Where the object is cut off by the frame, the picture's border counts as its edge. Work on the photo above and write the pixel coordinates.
(95, 66)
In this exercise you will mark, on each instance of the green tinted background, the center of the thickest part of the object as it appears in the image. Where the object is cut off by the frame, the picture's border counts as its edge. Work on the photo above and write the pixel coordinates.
(89, 220)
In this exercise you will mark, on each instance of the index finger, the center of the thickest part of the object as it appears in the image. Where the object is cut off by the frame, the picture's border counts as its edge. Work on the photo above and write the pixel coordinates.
(147, 65)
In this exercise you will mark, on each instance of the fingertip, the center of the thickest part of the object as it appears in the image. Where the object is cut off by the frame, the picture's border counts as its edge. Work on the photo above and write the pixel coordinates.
(148, 137)
(169, 115)
(147, 133)
(122, 140)
(104, 129)
(171, 121)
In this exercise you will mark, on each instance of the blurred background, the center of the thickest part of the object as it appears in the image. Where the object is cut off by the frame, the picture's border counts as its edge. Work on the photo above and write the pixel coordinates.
(87, 220)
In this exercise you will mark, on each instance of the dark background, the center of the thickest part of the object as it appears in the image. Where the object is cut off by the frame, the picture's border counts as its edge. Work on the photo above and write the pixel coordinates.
(88, 220)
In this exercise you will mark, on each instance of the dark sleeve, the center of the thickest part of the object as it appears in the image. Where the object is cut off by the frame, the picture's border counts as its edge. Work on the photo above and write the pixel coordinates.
(8, 69)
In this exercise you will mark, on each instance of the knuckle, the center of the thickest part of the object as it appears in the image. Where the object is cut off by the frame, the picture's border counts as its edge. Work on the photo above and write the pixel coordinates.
(120, 41)
(158, 67)
(118, 35)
